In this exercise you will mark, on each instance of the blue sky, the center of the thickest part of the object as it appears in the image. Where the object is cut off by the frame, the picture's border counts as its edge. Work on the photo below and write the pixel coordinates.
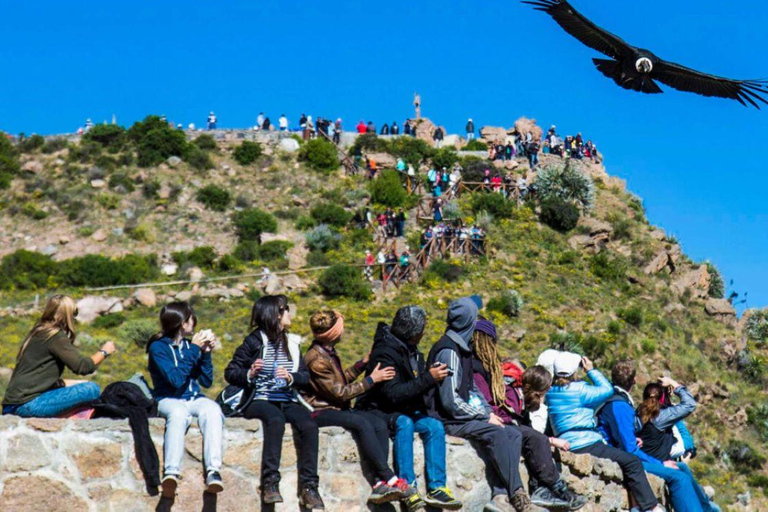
(698, 163)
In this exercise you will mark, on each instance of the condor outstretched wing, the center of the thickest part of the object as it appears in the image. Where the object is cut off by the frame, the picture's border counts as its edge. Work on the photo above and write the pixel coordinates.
(690, 80)
(582, 29)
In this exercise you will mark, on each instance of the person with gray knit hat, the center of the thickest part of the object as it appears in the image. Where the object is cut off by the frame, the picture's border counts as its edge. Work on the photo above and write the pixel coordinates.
(400, 402)
(466, 414)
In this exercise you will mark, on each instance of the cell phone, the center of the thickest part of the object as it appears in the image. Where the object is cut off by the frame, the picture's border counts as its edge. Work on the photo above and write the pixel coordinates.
(436, 364)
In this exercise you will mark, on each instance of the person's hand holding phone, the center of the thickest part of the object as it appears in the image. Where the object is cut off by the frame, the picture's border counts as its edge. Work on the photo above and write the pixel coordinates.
(668, 382)
(282, 373)
(587, 364)
(439, 371)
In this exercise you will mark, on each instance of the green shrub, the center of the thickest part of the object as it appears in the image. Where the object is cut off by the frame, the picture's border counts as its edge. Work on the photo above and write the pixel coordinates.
(252, 222)
(108, 201)
(344, 281)
(247, 152)
(612, 268)
(121, 179)
(632, 315)
(368, 142)
(716, 283)
(203, 257)
(320, 155)
(26, 270)
(442, 269)
(6, 179)
(322, 238)
(559, 214)
(752, 366)
(151, 189)
(412, 150)
(744, 457)
(107, 135)
(229, 263)
(305, 222)
(33, 212)
(214, 198)
(31, 144)
(495, 204)
(156, 141)
(106, 163)
(473, 169)
(197, 158)
(274, 250)
(387, 189)
(138, 332)
(109, 321)
(615, 327)
(86, 151)
(648, 345)
(54, 145)
(206, 142)
(757, 327)
(475, 145)
(758, 418)
(318, 259)
(444, 158)
(94, 270)
(331, 214)
(509, 303)
(567, 183)
(247, 250)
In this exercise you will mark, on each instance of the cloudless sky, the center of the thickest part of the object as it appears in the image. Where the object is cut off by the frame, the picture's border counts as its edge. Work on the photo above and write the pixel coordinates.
(698, 163)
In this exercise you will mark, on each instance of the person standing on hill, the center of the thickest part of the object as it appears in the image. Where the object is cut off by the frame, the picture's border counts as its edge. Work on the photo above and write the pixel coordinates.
(337, 129)
(283, 123)
(212, 121)
(400, 402)
(370, 128)
(36, 389)
(361, 127)
(394, 129)
(464, 412)
(533, 149)
(369, 262)
(384, 129)
(330, 392)
(407, 130)
(470, 129)
(438, 137)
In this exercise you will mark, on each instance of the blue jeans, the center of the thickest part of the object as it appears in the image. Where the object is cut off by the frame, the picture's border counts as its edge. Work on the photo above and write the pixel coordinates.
(686, 494)
(432, 434)
(57, 401)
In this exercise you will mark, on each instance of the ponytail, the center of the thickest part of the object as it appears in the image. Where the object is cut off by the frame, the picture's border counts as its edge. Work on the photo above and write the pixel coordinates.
(651, 407)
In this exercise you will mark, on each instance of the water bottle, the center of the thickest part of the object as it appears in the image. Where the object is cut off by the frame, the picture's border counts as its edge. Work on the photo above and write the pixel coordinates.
(475, 401)
(279, 382)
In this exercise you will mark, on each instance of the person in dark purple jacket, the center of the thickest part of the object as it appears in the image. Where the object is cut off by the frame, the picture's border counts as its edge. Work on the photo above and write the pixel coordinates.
(503, 392)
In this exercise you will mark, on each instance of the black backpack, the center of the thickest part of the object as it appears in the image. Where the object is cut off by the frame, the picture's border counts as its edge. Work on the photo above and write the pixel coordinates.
(233, 400)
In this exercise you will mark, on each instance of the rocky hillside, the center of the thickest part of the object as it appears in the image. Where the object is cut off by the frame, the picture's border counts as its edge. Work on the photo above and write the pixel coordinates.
(159, 208)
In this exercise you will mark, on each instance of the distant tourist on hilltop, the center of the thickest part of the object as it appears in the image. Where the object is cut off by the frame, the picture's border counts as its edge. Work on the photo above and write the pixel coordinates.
(470, 128)
(394, 129)
(407, 129)
(337, 131)
(212, 121)
(361, 127)
(283, 123)
(266, 125)
(88, 125)
(384, 129)
(438, 137)
(371, 128)
(303, 121)
(259, 121)
(533, 148)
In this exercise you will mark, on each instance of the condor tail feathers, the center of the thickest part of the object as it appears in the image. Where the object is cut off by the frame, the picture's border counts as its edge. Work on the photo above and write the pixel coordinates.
(635, 82)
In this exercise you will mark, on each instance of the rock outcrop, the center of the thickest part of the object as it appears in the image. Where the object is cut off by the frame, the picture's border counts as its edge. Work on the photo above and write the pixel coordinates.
(73, 466)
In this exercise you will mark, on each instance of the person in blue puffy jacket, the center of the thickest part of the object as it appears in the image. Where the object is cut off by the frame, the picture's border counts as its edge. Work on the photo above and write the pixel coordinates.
(572, 404)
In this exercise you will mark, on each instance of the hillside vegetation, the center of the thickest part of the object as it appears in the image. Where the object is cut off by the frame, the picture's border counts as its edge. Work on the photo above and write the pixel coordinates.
(126, 206)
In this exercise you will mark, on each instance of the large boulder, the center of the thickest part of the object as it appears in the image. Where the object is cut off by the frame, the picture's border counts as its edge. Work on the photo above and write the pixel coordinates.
(289, 144)
(721, 310)
(273, 285)
(146, 297)
(493, 133)
(383, 160)
(665, 259)
(598, 234)
(32, 166)
(91, 307)
(696, 280)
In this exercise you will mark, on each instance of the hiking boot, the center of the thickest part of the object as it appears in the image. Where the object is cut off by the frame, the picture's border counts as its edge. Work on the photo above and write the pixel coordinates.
(520, 501)
(545, 498)
(442, 497)
(413, 502)
(270, 493)
(384, 492)
(213, 483)
(562, 491)
(498, 503)
(169, 484)
(310, 499)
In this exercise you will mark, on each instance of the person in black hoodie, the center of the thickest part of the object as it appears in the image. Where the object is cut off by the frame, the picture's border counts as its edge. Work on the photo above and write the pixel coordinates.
(466, 414)
(400, 402)
(269, 365)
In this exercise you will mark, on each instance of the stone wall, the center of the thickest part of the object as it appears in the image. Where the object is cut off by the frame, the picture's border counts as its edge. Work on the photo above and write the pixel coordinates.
(72, 466)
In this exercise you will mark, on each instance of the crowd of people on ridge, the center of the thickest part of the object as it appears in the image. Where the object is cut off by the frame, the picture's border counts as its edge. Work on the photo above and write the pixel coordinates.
(463, 388)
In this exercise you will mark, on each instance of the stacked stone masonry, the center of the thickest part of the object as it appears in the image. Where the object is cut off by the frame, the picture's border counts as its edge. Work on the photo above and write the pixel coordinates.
(58, 465)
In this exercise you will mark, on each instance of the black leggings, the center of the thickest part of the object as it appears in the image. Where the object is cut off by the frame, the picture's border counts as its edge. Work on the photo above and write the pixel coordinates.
(634, 474)
(370, 432)
(537, 455)
(273, 416)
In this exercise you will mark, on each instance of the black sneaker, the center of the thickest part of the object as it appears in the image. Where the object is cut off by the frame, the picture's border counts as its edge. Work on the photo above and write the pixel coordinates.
(310, 499)
(213, 483)
(270, 493)
(545, 498)
(442, 497)
(563, 492)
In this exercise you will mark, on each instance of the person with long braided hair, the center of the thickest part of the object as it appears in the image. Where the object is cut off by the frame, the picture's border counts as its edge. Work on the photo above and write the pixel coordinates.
(501, 385)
